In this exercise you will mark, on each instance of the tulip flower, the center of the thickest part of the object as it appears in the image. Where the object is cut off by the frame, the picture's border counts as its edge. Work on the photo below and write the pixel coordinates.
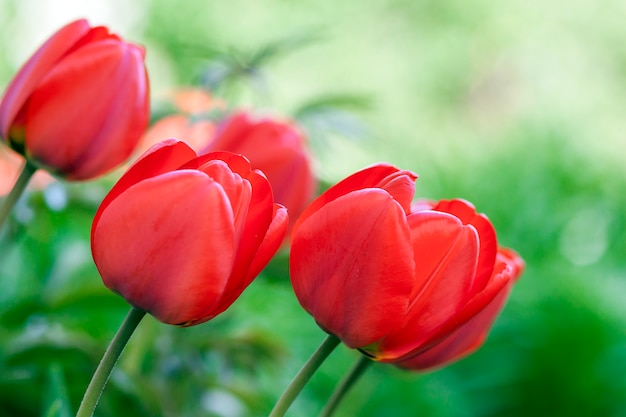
(181, 236)
(278, 148)
(415, 285)
(79, 105)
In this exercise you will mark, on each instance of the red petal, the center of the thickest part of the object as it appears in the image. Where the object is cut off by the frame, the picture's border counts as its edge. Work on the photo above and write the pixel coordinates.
(446, 252)
(95, 34)
(260, 207)
(35, 69)
(463, 341)
(166, 246)
(376, 176)
(238, 190)
(230, 132)
(88, 114)
(271, 242)
(266, 251)
(466, 212)
(514, 264)
(352, 266)
(161, 158)
(257, 222)
(237, 163)
(504, 275)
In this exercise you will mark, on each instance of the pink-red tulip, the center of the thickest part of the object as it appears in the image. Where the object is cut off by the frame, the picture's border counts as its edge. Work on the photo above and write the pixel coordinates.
(190, 120)
(181, 236)
(79, 105)
(276, 147)
(418, 286)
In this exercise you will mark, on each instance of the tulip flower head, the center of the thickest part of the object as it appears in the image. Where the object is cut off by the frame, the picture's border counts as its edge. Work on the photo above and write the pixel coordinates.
(181, 236)
(79, 105)
(415, 285)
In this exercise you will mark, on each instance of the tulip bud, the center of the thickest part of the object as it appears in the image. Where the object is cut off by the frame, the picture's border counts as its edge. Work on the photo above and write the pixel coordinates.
(181, 236)
(79, 105)
(418, 286)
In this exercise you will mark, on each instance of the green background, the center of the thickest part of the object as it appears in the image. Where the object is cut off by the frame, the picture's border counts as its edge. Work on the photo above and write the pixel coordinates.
(517, 106)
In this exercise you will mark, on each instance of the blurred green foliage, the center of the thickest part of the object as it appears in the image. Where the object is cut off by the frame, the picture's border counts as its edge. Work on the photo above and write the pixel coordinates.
(516, 106)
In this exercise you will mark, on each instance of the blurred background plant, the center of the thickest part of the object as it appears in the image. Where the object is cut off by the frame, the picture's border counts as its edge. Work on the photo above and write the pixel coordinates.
(516, 106)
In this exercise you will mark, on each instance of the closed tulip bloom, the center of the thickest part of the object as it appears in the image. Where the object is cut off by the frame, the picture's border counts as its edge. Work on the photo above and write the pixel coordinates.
(79, 105)
(415, 285)
(276, 147)
(181, 236)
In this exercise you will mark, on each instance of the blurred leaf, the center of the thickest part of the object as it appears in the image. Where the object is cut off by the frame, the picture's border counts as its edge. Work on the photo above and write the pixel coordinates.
(325, 117)
(56, 399)
(235, 68)
(334, 101)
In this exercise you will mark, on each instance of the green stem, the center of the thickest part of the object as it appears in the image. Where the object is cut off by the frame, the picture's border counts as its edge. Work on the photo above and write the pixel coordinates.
(111, 355)
(22, 181)
(344, 386)
(303, 375)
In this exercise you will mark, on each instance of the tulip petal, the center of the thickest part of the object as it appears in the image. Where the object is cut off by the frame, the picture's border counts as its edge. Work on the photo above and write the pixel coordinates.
(166, 246)
(464, 340)
(508, 268)
(95, 34)
(99, 126)
(235, 126)
(161, 158)
(239, 164)
(273, 238)
(352, 266)
(446, 253)
(238, 190)
(269, 246)
(34, 70)
(257, 222)
(466, 212)
(376, 176)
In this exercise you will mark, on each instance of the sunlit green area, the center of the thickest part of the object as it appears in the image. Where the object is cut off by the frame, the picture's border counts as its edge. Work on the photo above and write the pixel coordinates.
(517, 106)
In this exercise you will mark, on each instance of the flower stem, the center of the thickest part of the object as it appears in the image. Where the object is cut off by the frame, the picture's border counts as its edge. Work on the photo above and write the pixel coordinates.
(111, 355)
(344, 386)
(18, 188)
(304, 374)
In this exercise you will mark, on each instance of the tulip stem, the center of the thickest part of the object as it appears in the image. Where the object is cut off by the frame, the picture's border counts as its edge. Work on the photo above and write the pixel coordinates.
(304, 374)
(344, 386)
(18, 188)
(111, 355)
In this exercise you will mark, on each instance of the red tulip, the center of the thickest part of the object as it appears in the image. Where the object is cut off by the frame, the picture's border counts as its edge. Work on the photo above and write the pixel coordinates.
(181, 236)
(278, 148)
(80, 104)
(416, 286)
